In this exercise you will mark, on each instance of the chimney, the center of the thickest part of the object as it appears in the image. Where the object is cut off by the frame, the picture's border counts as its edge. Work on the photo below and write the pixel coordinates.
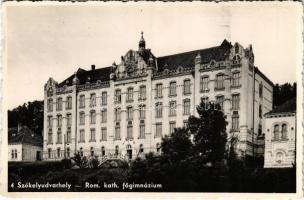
(93, 67)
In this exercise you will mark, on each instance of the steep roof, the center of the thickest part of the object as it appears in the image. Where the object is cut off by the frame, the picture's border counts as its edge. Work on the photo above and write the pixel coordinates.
(186, 59)
(25, 136)
(102, 74)
(289, 106)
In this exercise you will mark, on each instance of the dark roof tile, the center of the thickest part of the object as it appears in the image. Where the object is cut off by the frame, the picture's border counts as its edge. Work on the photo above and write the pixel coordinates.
(25, 136)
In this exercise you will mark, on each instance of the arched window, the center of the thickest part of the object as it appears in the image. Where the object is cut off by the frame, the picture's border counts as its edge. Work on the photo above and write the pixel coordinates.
(50, 105)
(284, 131)
(93, 117)
(92, 151)
(69, 102)
(142, 92)
(129, 94)
(172, 88)
(187, 85)
(141, 148)
(118, 96)
(103, 151)
(116, 150)
(59, 104)
(276, 132)
(236, 76)
(92, 100)
(219, 81)
(82, 101)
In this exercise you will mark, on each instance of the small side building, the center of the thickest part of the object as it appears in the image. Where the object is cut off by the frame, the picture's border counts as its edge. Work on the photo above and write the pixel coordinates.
(280, 136)
(24, 144)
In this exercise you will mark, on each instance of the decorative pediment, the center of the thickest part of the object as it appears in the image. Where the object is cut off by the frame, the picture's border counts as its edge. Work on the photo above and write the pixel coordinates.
(50, 86)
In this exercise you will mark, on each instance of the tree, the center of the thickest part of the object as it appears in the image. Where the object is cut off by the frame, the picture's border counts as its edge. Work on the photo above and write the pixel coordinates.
(178, 145)
(283, 93)
(29, 114)
(209, 131)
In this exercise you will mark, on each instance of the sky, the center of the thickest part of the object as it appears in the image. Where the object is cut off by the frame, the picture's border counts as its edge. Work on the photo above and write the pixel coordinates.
(43, 41)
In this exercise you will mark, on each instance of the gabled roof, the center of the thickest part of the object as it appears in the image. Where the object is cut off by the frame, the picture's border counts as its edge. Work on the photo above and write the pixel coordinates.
(186, 59)
(289, 106)
(102, 74)
(25, 136)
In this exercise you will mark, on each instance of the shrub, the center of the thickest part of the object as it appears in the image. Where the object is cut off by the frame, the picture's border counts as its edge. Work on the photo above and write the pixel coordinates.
(66, 163)
(94, 162)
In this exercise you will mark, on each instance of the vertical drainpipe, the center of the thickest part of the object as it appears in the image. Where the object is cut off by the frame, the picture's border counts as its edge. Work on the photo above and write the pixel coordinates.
(76, 116)
(253, 99)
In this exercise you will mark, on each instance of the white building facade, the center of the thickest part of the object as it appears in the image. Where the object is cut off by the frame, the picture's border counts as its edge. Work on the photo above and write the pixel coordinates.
(24, 145)
(125, 109)
(280, 136)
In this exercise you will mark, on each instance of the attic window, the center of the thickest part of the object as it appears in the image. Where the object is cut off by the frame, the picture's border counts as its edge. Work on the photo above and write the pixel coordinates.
(180, 69)
(212, 63)
(166, 71)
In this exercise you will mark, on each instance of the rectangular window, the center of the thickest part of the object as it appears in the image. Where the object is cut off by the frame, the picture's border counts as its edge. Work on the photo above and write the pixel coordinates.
(142, 92)
(50, 121)
(220, 101)
(69, 103)
(172, 89)
(142, 111)
(235, 101)
(159, 90)
(92, 100)
(104, 97)
(117, 114)
(130, 94)
(59, 121)
(187, 107)
(82, 101)
(69, 119)
(58, 153)
(219, 82)
(59, 137)
(204, 84)
(129, 132)
(104, 116)
(93, 135)
(50, 138)
(103, 134)
(235, 122)
(172, 126)
(142, 131)
(81, 135)
(260, 90)
(236, 79)
(172, 108)
(49, 152)
(117, 133)
(117, 96)
(158, 132)
(187, 85)
(159, 110)
(93, 117)
(59, 104)
(129, 113)
(69, 139)
(81, 118)
(260, 111)
(50, 105)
